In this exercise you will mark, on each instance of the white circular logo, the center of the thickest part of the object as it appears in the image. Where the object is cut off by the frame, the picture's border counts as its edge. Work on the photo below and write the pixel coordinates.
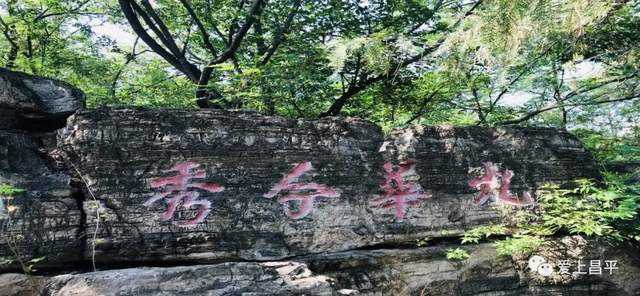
(539, 264)
(535, 261)
(545, 269)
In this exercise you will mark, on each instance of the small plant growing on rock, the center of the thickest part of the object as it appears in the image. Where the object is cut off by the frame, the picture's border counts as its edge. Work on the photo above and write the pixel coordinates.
(6, 194)
(483, 232)
(518, 243)
(609, 212)
(456, 254)
(423, 242)
(9, 190)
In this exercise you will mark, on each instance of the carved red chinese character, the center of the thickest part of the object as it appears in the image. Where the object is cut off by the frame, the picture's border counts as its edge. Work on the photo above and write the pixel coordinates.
(303, 194)
(495, 184)
(505, 195)
(398, 192)
(180, 191)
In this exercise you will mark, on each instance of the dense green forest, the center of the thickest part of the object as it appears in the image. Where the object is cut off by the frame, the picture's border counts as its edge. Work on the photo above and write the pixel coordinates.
(570, 63)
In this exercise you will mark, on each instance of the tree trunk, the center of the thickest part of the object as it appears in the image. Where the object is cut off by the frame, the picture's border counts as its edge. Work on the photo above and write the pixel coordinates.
(11, 57)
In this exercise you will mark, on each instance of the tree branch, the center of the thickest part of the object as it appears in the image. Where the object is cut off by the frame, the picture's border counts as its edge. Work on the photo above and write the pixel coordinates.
(357, 87)
(203, 30)
(556, 106)
(13, 52)
(280, 34)
(425, 101)
(164, 31)
(44, 14)
(234, 44)
(341, 101)
(129, 8)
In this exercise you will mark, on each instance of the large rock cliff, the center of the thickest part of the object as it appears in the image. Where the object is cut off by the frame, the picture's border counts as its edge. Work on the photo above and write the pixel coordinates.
(264, 166)
(178, 202)
(43, 223)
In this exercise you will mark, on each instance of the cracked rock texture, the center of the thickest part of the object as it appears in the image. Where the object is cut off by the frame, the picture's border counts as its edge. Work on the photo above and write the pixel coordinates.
(121, 152)
(418, 271)
(245, 190)
(44, 223)
(232, 278)
(32, 102)
(426, 271)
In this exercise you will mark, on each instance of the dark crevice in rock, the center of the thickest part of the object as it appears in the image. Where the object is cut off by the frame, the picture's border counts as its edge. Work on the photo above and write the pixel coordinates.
(35, 122)
(85, 266)
(81, 234)
(431, 242)
(437, 247)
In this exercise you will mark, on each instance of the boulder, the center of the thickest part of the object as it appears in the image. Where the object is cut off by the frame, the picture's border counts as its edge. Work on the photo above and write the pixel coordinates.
(18, 284)
(232, 278)
(43, 223)
(208, 185)
(36, 103)
(427, 271)
(409, 271)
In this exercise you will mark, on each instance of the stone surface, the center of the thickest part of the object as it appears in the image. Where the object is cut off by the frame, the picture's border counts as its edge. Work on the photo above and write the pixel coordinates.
(17, 284)
(448, 157)
(260, 205)
(233, 278)
(40, 103)
(126, 156)
(417, 271)
(44, 222)
(426, 271)
(7, 119)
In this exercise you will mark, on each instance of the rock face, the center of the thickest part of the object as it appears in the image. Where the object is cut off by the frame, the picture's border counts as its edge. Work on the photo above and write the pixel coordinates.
(209, 185)
(258, 205)
(45, 222)
(233, 278)
(419, 271)
(35, 102)
(426, 271)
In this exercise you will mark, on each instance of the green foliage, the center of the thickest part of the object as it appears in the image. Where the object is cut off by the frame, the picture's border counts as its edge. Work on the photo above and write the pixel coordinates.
(609, 211)
(607, 147)
(6, 195)
(518, 244)
(148, 84)
(8, 190)
(503, 62)
(456, 254)
(483, 232)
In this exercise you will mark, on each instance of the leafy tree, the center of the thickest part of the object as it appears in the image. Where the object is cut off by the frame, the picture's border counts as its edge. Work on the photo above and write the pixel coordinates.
(490, 62)
(55, 39)
(376, 41)
(528, 48)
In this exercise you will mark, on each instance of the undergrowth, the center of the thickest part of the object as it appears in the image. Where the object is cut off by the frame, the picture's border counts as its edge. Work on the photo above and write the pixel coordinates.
(608, 211)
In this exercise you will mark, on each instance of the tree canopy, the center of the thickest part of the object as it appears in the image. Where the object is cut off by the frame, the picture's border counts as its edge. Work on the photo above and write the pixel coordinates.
(570, 63)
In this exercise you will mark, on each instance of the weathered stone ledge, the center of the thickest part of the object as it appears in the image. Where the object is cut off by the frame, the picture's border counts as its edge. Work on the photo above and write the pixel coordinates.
(250, 165)
(419, 271)
(266, 205)
(366, 189)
